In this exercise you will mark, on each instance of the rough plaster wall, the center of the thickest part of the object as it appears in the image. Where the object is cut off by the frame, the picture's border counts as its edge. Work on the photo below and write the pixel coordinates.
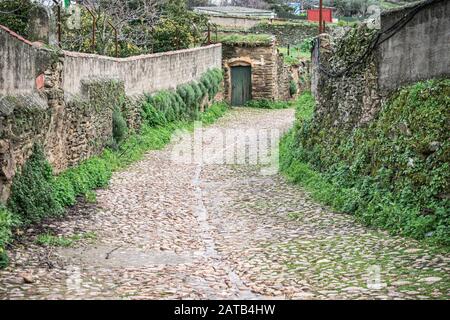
(419, 51)
(289, 33)
(20, 63)
(141, 74)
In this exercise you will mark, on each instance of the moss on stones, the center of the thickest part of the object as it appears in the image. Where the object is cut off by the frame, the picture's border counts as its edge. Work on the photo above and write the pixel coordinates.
(393, 172)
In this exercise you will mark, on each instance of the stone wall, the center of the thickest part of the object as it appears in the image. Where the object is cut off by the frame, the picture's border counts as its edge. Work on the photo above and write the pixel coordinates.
(241, 23)
(417, 52)
(264, 61)
(302, 75)
(284, 73)
(352, 99)
(69, 130)
(288, 32)
(141, 74)
(65, 100)
(298, 73)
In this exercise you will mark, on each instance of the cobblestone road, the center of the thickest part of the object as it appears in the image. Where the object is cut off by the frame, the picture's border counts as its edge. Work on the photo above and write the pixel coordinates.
(165, 230)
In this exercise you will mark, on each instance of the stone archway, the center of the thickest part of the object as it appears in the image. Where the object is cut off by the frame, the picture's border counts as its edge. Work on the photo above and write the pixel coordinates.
(228, 65)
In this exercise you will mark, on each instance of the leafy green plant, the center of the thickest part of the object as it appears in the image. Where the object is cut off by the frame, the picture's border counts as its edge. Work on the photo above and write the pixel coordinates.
(178, 28)
(32, 194)
(90, 174)
(214, 112)
(50, 240)
(294, 56)
(392, 173)
(212, 80)
(168, 103)
(170, 34)
(292, 88)
(6, 225)
(15, 15)
(306, 45)
(184, 102)
(171, 27)
(268, 104)
(90, 196)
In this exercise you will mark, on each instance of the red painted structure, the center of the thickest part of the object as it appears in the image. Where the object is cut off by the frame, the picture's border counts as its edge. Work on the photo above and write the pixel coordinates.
(313, 15)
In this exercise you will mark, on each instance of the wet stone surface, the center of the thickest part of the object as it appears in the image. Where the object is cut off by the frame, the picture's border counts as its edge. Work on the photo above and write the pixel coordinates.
(168, 230)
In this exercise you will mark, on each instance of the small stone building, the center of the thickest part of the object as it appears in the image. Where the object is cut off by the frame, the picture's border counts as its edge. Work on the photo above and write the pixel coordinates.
(253, 72)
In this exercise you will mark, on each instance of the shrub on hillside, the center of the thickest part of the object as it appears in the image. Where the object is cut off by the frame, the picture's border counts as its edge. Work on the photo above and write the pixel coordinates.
(184, 102)
(32, 196)
(392, 173)
(6, 224)
(119, 126)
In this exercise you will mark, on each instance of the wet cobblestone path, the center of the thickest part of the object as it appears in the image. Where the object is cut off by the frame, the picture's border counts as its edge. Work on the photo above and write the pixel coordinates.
(165, 230)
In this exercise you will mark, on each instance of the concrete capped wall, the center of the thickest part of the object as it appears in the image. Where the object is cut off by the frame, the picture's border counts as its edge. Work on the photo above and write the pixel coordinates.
(20, 63)
(420, 50)
(141, 74)
(23, 62)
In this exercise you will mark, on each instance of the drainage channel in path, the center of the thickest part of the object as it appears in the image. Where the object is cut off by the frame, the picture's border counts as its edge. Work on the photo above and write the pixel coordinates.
(210, 250)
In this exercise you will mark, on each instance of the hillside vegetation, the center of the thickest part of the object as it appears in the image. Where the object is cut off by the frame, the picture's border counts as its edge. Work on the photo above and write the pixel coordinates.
(37, 194)
(393, 173)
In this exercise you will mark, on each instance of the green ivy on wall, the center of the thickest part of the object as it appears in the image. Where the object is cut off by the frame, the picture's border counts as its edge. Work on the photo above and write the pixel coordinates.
(393, 173)
(36, 194)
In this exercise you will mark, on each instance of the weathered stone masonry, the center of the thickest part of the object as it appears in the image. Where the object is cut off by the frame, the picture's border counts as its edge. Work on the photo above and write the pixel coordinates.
(419, 51)
(64, 100)
(269, 76)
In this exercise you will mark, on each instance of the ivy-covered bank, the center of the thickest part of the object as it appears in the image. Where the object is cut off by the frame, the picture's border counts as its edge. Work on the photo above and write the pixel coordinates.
(392, 173)
(37, 194)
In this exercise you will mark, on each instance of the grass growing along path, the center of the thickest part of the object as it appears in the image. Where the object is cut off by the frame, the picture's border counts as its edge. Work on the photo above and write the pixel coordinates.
(166, 230)
(322, 161)
(48, 196)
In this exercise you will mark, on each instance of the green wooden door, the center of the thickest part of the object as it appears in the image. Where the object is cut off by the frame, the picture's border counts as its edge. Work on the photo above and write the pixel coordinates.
(241, 85)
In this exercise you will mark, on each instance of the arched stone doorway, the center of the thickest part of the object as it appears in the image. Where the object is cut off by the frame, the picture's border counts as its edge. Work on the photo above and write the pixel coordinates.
(238, 81)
